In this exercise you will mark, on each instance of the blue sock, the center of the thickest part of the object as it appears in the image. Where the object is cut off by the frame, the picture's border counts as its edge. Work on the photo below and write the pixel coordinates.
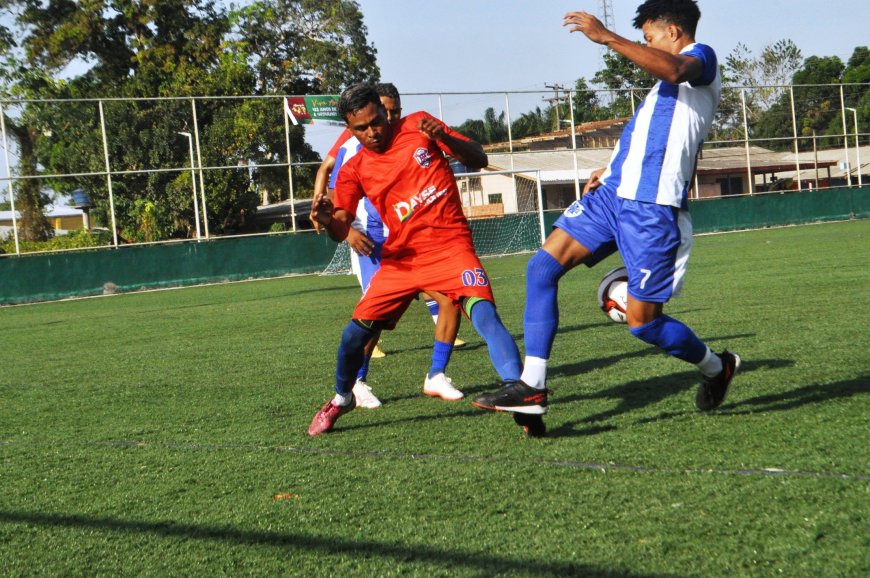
(674, 337)
(363, 372)
(440, 357)
(433, 307)
(541, 318)
(351, 353)
(503, 350)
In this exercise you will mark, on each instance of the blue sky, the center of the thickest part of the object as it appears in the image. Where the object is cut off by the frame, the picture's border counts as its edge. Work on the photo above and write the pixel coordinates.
(510, 45)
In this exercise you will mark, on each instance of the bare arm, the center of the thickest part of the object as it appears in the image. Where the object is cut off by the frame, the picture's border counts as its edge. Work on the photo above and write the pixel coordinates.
(320, 182)
(336, 222)
(468, 152)
(672, 68)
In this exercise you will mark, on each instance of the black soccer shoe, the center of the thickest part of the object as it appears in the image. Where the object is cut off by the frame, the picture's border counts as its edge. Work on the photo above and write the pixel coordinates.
(713, 390)
(514, 396)
(533, 425)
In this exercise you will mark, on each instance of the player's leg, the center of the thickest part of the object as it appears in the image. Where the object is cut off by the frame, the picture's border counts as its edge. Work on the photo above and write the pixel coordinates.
(361, 390)
(560, 254)
(381, 307)
(503, 352)
(349, 359)
(583, 234)
(655, 274)
(368, 266)
(436, 383)
(434, 303)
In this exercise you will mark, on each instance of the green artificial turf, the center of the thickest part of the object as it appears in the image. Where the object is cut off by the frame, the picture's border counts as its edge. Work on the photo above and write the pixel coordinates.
(149, 434)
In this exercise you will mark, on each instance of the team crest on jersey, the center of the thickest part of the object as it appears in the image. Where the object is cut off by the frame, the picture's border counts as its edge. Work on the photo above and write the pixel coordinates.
(574, 210)
(423, 157)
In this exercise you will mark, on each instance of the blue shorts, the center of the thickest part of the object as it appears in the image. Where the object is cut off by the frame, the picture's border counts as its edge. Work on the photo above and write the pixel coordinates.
(654, 240)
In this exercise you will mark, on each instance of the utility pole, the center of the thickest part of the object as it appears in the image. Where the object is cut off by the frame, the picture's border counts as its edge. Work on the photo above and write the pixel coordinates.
(607, 14)
(556, 100)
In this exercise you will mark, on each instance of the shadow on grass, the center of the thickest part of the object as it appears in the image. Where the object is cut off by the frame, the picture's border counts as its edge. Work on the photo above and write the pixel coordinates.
(485, 563)
(816, 393)
(392, 420)
(636, 395)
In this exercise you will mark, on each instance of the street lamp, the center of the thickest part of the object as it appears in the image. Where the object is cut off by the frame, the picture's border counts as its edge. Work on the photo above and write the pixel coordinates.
(193, 181)
(857, 144)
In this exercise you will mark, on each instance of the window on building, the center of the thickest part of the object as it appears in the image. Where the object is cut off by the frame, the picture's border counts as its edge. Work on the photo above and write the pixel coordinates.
(731, 185)
(494, 199)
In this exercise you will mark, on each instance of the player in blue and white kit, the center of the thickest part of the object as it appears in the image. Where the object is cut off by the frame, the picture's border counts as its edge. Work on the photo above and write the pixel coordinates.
(637, 205)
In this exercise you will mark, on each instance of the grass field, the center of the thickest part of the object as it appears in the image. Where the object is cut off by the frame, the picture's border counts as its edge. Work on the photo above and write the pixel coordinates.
(149, 434)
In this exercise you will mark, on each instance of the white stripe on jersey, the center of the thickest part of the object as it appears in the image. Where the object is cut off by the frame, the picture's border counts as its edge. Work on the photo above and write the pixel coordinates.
(655, 158)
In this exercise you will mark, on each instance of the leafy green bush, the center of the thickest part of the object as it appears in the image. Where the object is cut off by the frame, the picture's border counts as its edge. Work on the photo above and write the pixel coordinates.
(78, 239)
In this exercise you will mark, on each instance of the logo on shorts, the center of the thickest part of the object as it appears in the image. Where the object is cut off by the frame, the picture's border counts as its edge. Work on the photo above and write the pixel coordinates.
(423, 157)
(574, 210)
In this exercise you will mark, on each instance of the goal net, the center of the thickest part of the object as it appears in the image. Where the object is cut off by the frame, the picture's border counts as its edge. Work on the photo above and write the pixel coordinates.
(503, 209)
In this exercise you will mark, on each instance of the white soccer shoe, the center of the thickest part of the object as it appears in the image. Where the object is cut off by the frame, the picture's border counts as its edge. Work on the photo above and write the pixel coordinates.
(441, 386)
(364, 396)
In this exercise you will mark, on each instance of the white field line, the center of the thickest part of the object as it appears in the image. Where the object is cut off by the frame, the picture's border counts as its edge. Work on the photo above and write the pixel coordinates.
(386, 455)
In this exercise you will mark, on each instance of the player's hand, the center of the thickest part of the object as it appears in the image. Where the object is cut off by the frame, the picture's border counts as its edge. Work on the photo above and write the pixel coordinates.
(360, 243)
(588, 25)
(321, 211)
(431, 128)
(594, 181)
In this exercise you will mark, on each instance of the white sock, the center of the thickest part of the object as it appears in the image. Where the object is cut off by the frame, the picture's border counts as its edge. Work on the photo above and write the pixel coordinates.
(535, 372)
(711, 365)
(342, 399)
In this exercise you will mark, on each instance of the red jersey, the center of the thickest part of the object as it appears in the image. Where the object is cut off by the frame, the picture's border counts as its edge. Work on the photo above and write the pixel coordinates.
(412, 187)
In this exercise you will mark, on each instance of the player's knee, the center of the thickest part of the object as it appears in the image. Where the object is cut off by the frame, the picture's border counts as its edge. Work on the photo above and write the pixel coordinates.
(357, 333)
(543, 269)
(652, 332)
(482, 313)
(672, 336)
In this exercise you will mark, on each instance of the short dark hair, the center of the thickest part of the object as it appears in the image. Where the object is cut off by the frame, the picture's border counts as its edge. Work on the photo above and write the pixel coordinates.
(682, 13)
(356, 97)
(389, 90)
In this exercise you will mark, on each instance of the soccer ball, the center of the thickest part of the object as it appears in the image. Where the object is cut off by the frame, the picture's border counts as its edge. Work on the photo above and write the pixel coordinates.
(613, 294)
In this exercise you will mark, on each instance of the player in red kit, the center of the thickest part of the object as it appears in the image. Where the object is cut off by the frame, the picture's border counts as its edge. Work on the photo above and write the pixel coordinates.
(403, 171)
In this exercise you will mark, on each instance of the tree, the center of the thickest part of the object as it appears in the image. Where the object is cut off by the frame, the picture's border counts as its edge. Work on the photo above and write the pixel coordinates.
(763, 76)
(144, 49)
(817, 104)
(857, 95)
(622, 77)
(17, 80)
(585, 103)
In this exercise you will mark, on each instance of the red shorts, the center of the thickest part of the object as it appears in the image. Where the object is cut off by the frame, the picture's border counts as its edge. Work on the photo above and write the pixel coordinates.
(455, 272)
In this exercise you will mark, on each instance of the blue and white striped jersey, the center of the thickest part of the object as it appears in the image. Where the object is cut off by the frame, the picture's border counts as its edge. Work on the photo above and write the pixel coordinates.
(655, 158)
(368, 220)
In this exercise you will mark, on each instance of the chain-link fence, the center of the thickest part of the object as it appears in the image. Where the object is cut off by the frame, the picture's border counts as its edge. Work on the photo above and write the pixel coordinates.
(163, 169)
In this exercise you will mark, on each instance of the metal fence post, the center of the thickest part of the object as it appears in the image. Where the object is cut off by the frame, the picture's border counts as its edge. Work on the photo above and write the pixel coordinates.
(574, 145)
(199, 162)
(746, 142)
(289, 165)
(9, 174)
(797, 159)
(108, 173)
(540, 205)
(845, 137)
